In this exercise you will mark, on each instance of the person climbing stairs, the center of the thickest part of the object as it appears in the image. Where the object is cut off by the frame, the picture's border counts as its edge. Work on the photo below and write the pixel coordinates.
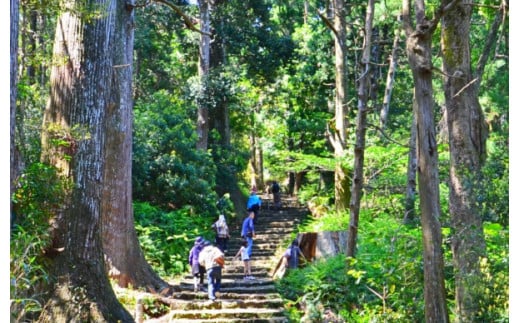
(239, 299)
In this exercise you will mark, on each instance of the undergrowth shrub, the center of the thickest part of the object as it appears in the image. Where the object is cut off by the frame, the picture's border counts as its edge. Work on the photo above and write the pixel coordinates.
(167, 237)
(40, 192)
(383, 282)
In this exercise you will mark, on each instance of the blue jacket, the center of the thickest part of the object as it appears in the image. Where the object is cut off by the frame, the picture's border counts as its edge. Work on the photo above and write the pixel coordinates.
(253, 199)
(247, 226)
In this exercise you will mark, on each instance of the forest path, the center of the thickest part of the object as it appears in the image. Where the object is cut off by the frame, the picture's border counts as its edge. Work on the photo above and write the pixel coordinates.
(243, 300)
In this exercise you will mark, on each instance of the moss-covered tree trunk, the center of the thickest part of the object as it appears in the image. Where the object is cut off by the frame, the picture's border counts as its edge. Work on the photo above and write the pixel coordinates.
(467, 131)
(419, 52)
(73, 139)
(338, 138)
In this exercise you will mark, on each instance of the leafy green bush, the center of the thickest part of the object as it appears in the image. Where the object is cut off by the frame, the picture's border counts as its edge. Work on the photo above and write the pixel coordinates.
(167, 237)
(168, 170)
(384, 282)
(39, 194)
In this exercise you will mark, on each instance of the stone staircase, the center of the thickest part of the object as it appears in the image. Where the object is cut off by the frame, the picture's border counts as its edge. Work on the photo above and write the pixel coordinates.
(242, 300)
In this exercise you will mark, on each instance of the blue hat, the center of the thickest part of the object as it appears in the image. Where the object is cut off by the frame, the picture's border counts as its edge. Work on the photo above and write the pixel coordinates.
(199, 240)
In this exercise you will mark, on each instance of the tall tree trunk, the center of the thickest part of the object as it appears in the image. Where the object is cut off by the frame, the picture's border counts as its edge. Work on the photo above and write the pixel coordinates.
(339, 136)
(13, 91)
(256, 161)
(82, 89)
(411, 173)
(204, 65)
(392, 66)
(467, 131)
(359, 149)
(124, 259)
(418, 49)
(226, 179)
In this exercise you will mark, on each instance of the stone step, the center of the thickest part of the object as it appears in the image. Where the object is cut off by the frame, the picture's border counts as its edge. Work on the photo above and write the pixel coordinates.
(281, 319)
(227, 303)
(191, 295)
(225, 313)
(226, 282)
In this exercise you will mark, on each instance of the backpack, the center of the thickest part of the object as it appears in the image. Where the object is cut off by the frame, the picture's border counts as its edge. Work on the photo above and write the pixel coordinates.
(218, 256)
(294, 258)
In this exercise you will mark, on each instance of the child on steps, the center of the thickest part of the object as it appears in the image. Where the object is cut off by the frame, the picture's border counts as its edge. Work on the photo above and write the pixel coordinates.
(245, 258)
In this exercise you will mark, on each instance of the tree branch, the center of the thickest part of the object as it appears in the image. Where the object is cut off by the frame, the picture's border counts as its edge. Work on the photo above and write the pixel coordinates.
(491, 39)
(187, 19)
(328, 23)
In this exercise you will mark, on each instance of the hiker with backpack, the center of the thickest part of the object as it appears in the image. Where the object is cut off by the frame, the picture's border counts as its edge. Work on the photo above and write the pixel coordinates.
(254, 203)
(291, 256)
(277, 199)
(197, 270)
(212, 258)
(221, 233)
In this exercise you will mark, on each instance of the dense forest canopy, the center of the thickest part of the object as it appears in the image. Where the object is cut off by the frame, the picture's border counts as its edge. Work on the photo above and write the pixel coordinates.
(135, 123)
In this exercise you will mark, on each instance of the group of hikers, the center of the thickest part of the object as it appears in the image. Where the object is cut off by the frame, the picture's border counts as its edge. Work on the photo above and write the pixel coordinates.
(207, 259)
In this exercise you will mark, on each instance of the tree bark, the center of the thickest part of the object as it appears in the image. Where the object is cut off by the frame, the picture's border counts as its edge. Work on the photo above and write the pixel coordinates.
(82, 89)
(339, 135)
(467, 132)
(411, 173)
(204, 64)
(13, 91)
(418, 49)
(392, 66)
(359, 149)
(124, 259)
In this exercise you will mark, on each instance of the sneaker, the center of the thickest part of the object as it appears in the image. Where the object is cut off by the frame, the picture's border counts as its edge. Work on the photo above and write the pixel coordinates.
(252, 278)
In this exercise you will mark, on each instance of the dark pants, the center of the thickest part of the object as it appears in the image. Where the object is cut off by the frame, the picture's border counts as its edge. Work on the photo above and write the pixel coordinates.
(198, 271)
(277, 199)
(221, 243)
(255, 208)
(214, 279)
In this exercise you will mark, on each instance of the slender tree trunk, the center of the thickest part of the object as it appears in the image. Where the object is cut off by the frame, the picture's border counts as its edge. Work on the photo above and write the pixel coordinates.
(204, 65)
(418, 49)
(339, 137)
(467, 131)
(13, 91)
(124, 259)
(411, 173)
(359, 149)
(392, 66)
(81, 91)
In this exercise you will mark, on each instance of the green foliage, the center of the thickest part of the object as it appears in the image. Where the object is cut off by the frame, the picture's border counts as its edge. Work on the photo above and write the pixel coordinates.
(495, 268)
(167, 237)
(167, 168)
(39, 195)
(370, 287)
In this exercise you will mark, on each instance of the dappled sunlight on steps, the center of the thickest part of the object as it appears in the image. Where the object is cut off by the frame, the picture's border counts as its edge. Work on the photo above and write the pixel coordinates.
(242, 300)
